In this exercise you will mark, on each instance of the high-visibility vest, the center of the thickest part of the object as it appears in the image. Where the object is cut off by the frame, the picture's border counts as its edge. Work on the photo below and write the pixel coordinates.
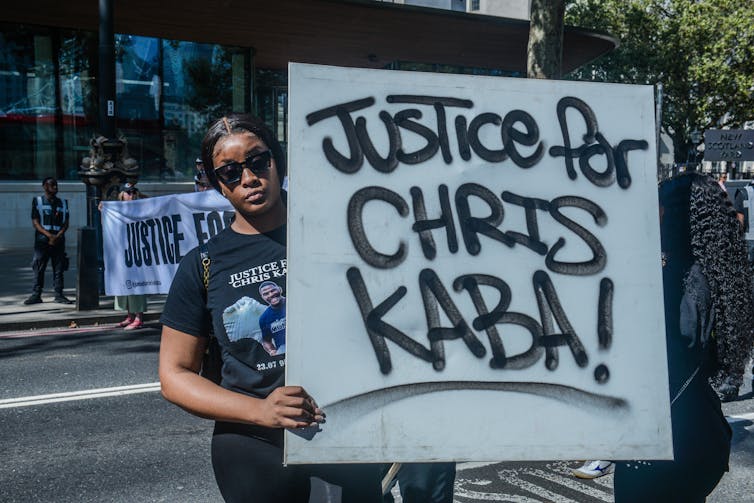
(46, 216)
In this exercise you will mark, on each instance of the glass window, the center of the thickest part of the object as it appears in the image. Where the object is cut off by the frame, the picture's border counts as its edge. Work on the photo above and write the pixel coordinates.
(77, 67)
(201, 82)
(272, 101)
(138, 96)
(166, 93)
(27, 103)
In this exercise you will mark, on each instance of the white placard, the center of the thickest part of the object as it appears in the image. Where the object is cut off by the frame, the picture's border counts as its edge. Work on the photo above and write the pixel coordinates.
(474, 268)
(145, 239)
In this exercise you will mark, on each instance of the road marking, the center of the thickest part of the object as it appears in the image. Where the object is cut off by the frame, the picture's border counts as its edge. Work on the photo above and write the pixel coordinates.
(512, 477)
(574, 484)
(462, 492)
(471, 465)
(606, 482)
(27, 401)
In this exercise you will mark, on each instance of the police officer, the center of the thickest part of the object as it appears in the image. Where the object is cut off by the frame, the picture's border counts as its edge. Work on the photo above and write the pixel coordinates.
(49, 216)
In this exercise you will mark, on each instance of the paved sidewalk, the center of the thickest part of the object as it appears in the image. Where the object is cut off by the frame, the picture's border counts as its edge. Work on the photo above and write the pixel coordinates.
(15, 287)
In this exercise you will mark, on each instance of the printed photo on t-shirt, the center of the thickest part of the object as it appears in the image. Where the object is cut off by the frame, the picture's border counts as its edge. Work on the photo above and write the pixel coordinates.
(272, 320)
(241, 320)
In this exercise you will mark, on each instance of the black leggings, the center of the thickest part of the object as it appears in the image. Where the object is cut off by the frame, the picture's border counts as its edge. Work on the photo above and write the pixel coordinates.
(250, 469)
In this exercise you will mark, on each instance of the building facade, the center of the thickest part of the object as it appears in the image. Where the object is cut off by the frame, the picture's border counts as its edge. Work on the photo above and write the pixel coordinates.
(175, 70)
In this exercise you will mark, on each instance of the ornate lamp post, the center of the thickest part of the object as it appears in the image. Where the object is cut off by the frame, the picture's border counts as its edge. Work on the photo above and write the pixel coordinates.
(107, 166)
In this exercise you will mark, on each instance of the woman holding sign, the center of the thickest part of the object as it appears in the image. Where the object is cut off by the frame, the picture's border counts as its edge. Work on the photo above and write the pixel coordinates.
(216, 291)
(708, 319)
(134, 305)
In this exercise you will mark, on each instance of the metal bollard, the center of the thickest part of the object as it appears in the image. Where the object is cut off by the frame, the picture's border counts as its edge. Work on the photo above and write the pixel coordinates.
(87, 281)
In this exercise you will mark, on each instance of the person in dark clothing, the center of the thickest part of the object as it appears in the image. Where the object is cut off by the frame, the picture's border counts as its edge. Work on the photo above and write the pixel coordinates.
(201, 183)
(744, 204)
(216, 291)
(707, 321)
(50, 218)
(424, 483)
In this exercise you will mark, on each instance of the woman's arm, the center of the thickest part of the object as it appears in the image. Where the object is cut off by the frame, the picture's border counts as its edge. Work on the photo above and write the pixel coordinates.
(180, 362)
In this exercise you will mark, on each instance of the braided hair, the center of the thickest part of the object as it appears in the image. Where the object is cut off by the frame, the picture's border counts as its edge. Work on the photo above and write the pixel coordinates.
(235, 123)
(717, 245)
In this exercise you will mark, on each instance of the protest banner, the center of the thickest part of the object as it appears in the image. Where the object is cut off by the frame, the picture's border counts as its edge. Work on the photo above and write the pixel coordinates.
(145, 239)
(474, 268)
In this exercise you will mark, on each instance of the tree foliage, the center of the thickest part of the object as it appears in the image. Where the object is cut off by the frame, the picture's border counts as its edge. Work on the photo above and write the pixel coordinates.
(701, 51)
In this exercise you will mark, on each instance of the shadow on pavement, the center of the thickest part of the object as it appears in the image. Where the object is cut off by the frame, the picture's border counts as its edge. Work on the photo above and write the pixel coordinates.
(25, 346)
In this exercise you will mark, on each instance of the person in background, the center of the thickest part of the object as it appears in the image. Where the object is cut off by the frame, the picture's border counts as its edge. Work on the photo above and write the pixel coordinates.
(744, 205)
(721, 179)
(424, 483)
(50, 218)
(134, 305)
(707, 323)
(201, 183)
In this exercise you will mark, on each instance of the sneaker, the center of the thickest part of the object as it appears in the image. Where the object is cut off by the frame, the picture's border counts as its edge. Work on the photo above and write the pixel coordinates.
(34, 299)
(126, 322)
(594, 469)
(62, 299)
(137, 323)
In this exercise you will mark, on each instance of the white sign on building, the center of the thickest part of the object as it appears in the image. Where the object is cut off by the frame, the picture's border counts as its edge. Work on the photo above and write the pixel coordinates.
(474, 268)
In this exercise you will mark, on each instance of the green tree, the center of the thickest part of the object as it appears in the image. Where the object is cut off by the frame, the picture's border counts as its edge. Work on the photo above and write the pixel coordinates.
(701, 51)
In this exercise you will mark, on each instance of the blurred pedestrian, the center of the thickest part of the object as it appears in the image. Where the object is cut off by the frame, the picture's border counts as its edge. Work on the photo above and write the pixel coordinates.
(201, 183)
(721, 179)
(50, 218)
(134, 305)
(744, 204)
(707, 324)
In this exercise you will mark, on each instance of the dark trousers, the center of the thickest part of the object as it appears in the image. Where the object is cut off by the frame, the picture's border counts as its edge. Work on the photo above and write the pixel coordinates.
(425, 483)
(249, 469)
(42, 253)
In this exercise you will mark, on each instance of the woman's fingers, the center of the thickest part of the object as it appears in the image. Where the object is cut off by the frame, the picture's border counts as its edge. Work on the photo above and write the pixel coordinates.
(292, 407)
(296, 396)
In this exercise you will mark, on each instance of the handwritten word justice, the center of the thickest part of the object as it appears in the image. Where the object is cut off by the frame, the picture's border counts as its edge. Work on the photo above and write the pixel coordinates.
(467, 134)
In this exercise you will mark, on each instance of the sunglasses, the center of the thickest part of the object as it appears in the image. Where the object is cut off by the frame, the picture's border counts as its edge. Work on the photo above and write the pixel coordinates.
(258, 164)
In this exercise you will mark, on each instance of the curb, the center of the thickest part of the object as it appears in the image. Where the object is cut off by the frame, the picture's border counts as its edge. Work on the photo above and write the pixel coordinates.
(80, 317)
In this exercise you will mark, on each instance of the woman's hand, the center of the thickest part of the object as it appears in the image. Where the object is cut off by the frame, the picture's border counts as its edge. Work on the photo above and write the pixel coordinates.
(180, 361)
(290, 407)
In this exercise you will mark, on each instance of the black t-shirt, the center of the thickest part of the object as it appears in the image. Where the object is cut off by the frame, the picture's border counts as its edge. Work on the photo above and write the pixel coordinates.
(239, 263)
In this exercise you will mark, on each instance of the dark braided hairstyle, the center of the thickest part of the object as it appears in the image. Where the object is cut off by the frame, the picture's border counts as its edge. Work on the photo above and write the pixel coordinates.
(235, 123)
(717, 244)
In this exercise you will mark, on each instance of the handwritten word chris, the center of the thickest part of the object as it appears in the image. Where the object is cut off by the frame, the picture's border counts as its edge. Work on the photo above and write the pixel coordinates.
(472, 226)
